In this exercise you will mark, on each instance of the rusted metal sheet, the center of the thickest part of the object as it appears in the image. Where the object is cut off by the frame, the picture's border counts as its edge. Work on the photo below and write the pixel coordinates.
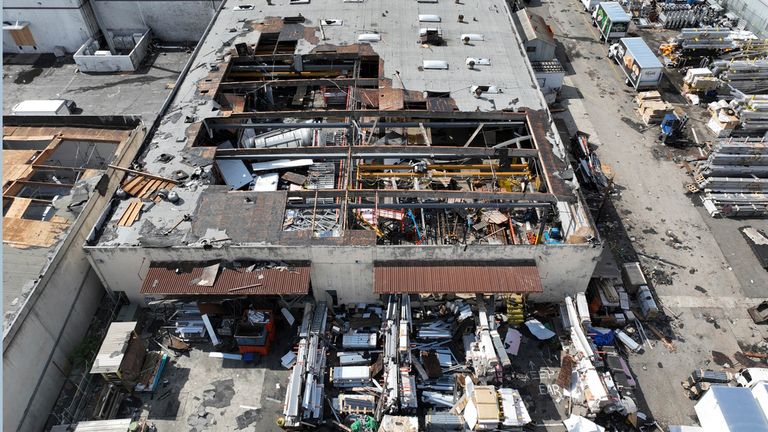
(391, 99)
(165, 280)
(537, 121)
(441, 104)
(445, 278)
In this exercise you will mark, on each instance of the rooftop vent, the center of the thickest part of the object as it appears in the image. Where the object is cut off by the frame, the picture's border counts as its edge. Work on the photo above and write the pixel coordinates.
(472, 37)
(369, 37)
(429, 18)
(331, 22)
(244, 7)
(478, 61)
(435, 64)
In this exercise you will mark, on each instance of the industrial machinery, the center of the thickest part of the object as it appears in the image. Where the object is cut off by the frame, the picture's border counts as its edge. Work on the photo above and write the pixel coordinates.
(673, 129)
(255, 331)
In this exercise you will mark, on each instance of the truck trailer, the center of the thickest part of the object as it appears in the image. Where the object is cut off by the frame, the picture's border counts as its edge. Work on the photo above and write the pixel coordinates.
(611, 20)
(640, 65)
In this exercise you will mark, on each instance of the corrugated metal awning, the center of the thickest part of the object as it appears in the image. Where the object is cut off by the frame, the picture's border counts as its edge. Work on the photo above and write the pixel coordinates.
(450, 278)
(171, 280)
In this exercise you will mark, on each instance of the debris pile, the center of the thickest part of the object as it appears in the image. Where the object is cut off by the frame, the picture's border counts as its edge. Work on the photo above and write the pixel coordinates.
(393, 365)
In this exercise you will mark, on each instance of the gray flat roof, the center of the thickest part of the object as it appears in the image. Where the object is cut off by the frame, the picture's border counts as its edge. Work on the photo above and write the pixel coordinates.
(41, 76)
(401, 57)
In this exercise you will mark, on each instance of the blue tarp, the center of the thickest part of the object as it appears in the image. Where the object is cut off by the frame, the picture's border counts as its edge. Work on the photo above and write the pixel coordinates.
(601, 336)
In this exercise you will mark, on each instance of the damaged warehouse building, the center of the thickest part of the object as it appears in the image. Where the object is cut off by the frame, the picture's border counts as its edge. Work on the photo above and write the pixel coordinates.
(349, 161)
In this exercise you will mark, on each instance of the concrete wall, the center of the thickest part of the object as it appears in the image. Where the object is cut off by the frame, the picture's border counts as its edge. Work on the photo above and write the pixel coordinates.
(564, 269)
(54, 320)
(177, 21)
(544, 51)
(65, 23)
(112, 63)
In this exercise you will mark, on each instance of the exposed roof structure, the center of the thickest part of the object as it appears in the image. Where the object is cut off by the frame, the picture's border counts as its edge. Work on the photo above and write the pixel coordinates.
(443, 278)
(51, 169)
(171, 279)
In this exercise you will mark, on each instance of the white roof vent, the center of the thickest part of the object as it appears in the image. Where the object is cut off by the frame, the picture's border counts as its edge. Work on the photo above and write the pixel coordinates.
(472, 37)
(478, 61)
(484, 89)
(429, 18)
(244, 7)
(331, 22)
(435, 64)
(423, 31)
(369, 37)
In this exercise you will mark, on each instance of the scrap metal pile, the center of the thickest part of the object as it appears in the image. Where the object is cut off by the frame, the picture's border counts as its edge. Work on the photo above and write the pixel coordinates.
(676, 15)
(694, 46)
(734, 178)
(747, 76)
(430, 369)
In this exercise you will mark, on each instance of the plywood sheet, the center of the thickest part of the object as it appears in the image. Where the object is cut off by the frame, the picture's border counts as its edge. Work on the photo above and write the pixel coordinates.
(15, 164)
(23, 232)
(23, 37)
(17, 208)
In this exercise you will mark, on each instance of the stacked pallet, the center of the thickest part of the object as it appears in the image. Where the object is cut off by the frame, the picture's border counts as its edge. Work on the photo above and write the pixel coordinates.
(651, 107)
(734, 178)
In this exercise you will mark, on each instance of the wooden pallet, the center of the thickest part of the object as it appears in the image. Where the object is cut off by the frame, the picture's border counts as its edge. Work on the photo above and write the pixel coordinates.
(143, 187)
(131, 213)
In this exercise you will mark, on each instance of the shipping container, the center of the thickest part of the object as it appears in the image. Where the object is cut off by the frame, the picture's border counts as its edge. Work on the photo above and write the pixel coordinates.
(611, 20)
(640, 65)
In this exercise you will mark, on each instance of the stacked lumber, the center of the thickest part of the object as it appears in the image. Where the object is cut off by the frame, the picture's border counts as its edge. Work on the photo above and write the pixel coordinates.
(651, 107)
(144, 186)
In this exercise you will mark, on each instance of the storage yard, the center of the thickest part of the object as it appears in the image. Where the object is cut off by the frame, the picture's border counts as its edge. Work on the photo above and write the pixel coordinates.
(348, 217)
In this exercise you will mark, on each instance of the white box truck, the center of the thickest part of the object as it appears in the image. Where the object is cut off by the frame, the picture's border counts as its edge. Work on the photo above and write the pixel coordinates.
(44, 107)
(639, 64)
(730, 409)
(750, 377)
(611, 21)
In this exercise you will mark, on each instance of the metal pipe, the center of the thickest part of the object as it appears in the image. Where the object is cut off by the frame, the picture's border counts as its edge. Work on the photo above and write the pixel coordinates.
(371, 167)
(423, 205)
(447, 174)
(433, 125)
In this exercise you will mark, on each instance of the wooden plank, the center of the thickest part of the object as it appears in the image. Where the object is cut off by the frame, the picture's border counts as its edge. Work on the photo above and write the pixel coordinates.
(137, 206)
(131, 213)
(130, 182)
(23, 37)
(142, 173)
(148, 188)
(138, 186)
(17, 208)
